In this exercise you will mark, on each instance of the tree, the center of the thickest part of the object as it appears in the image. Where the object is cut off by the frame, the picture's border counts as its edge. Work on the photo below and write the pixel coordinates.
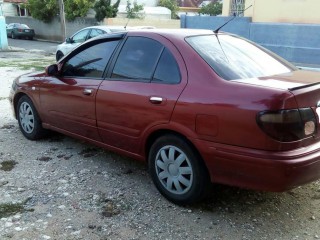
(43, 10)
(77, 8)
(170, 4)
(46, 10)
(104, 9)
(135, 11)
(212, 9)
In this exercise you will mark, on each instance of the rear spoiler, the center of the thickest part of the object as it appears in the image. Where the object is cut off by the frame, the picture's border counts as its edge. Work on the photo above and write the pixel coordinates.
(303, 86)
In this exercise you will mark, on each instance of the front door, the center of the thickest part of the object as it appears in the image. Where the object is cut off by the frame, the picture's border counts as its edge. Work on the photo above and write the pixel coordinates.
(140, 93)
(69, 100)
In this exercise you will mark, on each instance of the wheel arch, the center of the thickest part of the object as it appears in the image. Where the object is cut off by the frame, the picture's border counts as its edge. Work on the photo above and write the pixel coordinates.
(16, 100)
(162, 132)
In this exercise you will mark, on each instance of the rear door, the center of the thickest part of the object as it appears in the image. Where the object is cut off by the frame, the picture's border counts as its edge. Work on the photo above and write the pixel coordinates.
(140, 92)
(69, 100)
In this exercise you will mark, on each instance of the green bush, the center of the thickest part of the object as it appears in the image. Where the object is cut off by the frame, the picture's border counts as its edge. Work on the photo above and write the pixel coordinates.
(135, 11)
(77, 8)
(43, 10)
(170, 4)
(104, 9)
(212, 9)
(46, 10)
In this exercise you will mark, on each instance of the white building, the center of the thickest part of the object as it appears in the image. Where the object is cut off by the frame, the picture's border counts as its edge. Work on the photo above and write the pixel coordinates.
(13, 8)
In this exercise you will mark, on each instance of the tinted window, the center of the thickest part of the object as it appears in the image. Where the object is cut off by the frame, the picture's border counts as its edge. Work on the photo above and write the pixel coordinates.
(235, 58)
(137, 59)
(80, 36)
(95, 32)
(90, 62)
(167, 70)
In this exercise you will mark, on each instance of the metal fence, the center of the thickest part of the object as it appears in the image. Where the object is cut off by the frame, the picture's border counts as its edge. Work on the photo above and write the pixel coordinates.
(237, 7)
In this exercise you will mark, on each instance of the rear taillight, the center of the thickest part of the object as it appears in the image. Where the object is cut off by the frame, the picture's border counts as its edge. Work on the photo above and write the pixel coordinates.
(288, 125)
(20, 30)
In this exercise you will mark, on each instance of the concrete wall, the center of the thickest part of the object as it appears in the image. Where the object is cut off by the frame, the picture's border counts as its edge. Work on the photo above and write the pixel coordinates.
(298, 43)
(158, 23)
(52, 31)
(241, 26)
(280, 11)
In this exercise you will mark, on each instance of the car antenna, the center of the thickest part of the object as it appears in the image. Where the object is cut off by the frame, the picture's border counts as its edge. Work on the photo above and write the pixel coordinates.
(234, 16)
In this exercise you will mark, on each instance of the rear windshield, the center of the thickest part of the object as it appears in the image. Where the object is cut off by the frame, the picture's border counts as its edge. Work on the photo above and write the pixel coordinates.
(234, 58)
(22, 26)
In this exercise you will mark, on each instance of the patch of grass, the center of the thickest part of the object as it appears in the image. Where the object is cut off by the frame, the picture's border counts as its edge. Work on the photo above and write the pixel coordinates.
(7, 165)
(35, 67)
(9, 209)
(37, 64)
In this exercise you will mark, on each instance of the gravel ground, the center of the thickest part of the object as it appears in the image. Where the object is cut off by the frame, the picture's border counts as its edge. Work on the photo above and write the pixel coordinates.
(62, 188)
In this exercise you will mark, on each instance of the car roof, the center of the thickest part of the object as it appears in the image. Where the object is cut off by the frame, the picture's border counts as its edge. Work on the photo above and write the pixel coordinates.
(175, 35)
(104, 27)
(170, 33)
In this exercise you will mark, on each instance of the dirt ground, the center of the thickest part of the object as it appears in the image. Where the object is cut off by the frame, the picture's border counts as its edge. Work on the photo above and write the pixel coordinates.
(62, 188)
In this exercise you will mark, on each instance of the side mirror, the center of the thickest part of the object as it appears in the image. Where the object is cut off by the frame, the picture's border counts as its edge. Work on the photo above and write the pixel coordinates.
(52, 70)
(69, 40)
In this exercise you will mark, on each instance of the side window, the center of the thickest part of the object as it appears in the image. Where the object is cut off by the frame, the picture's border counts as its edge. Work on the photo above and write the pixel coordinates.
(95, 32)
(138, 59)
(90, 62)
(167, 70)
(80, 36)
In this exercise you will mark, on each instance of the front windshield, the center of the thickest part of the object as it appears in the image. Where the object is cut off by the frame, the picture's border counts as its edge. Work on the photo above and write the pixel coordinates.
(234, 58)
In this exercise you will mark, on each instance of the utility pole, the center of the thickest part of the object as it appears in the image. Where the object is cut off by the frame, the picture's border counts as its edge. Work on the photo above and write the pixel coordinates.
(62, 20)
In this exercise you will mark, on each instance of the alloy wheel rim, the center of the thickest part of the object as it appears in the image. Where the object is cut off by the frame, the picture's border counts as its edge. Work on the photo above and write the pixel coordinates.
(174, 170)
(26, 117)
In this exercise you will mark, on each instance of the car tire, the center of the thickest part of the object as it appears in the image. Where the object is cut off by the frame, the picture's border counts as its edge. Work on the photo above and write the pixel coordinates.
(177, 170)
(59, 55)
(29, 120)
(13, 36)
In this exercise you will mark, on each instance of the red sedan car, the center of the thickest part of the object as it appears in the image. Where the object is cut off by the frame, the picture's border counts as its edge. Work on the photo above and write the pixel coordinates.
(197, 106)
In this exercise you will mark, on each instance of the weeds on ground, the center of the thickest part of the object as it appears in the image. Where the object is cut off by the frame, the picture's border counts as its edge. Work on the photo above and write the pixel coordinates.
(9, 209)
(35, 64)
(7, 165)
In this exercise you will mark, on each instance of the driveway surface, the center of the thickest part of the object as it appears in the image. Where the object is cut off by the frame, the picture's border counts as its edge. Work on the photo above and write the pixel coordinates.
(34, 45)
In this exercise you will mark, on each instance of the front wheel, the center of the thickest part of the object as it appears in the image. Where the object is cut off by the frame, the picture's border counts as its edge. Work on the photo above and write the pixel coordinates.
(13, 36)
(177, 170)
(29, 120)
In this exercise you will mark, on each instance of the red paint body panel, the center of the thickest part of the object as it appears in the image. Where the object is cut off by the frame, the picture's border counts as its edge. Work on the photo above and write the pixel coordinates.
(64, 105)
(218, 117)
(261, 170)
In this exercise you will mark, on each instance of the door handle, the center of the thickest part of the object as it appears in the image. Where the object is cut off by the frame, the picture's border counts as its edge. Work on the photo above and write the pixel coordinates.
(156, 100)
(87, 91)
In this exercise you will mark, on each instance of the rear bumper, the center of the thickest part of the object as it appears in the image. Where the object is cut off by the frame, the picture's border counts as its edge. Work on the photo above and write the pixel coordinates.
(24, 34)
(261, 170)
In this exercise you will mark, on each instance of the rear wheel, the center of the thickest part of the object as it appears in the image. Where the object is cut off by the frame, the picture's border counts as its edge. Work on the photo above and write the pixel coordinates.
(29, 120)
(177, 170)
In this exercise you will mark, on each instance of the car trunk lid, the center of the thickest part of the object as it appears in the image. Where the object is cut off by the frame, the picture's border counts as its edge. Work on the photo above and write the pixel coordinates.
(304, 85)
